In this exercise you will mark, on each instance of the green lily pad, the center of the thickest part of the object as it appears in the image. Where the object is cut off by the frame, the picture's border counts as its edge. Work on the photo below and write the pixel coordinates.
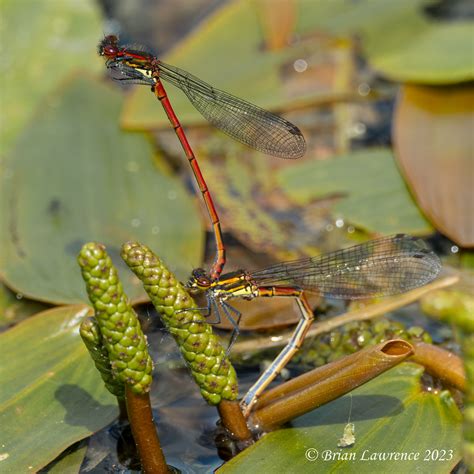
(14, 308)
(413, 47)
(401, 39)
(42, 41)
(75, 177)
(70, 461)
(52, 395)
(373, 195)
(392, 415)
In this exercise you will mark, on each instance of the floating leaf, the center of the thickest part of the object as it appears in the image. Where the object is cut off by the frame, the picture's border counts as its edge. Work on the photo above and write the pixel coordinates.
(434, 145)
(372, 193)
(70, 461)
(391, 414)
(14, 308)
(52, 395)
(42, 41)
(402, 39)
(414, 47)
(75, 177)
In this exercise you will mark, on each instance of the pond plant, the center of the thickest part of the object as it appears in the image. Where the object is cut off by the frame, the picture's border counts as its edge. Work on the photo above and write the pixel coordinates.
(382, 96)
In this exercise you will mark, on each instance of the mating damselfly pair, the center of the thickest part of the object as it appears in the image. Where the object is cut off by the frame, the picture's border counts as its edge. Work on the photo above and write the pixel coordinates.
(386, 266)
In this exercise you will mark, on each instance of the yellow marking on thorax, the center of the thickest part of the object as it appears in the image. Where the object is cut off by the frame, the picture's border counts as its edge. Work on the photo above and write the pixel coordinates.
(143, 71)
(236, 287)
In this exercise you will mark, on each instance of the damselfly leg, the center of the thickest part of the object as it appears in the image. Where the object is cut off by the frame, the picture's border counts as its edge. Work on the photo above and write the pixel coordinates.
(297, 339)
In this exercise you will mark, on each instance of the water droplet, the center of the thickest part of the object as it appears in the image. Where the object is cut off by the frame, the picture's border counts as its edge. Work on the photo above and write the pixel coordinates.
(329, 227)
(363, 89)
(19, 296)
(155, 230)
(350, 229)
(300, 65)
(339, 223)
(454, 249)
(136, 222)
(357, 130)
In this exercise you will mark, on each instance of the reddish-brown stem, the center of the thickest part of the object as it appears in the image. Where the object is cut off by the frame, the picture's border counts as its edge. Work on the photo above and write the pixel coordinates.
(144, 433)
(298, 396)
(233, 420)
(441, 364)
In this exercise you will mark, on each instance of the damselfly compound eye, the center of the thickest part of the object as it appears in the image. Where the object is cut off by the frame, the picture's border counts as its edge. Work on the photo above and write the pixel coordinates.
(204, 281)
(109, 46)
(109, 50)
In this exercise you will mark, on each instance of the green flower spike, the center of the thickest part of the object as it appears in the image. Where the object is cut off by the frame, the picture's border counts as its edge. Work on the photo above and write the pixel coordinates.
(201, 349)
(92, 339)
(121, 332)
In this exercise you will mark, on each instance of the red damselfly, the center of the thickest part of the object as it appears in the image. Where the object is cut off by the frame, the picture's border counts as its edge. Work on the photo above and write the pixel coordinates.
(240, 119)
(382, 267)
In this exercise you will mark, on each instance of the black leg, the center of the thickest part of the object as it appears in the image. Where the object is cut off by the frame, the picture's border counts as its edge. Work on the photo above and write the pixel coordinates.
(212, 302)
(207, 310)
(227, 308)
(234, 310)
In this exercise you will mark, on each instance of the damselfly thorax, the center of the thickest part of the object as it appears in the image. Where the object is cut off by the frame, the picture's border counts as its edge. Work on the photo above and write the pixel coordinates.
(237, 284)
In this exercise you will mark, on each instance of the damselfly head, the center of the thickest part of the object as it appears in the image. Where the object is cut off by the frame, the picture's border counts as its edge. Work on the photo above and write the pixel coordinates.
(108, 46)
(199, 280)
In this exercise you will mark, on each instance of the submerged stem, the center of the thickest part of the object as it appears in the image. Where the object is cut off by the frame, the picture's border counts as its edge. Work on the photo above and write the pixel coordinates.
(234, 420)
(144, 432)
